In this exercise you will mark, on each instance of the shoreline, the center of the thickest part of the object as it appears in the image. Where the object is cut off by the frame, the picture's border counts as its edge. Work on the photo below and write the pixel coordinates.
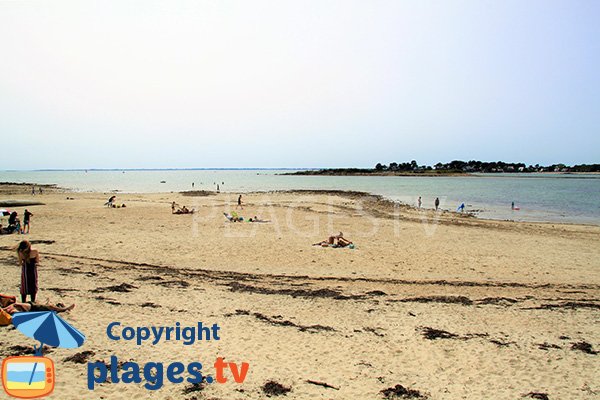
(349, 194)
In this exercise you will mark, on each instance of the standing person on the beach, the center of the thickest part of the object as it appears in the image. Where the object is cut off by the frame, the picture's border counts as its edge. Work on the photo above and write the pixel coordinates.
(218, 191)
(28, 259)
(192, 185)
(41, 192)
(239, 204)
(26, 217)
(512, 206)
(437, 203)
(419, 202)
(33, 190)
(461, 208)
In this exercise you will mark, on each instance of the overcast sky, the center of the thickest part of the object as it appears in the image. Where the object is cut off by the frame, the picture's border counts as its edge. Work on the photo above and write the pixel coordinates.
(151, 84)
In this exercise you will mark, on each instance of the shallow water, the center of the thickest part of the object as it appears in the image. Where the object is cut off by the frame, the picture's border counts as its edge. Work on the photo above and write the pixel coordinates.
(541, 197)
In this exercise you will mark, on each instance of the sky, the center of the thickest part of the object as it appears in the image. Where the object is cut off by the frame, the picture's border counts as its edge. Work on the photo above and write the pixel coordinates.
(201, 84)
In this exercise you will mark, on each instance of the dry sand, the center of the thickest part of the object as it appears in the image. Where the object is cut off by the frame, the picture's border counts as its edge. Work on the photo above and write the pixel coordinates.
(450, 306)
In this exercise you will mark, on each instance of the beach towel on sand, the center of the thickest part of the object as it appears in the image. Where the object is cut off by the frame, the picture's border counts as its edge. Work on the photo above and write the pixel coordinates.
(5, 318)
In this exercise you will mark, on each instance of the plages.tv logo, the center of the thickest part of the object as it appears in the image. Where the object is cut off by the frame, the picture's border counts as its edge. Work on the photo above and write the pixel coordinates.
(29, 377)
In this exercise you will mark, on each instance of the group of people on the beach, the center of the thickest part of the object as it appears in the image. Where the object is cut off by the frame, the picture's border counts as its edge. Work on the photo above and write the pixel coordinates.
(461, 207)
(436, 203)
(14, 223)
(176, 209)
(234, 217)
(28, 259)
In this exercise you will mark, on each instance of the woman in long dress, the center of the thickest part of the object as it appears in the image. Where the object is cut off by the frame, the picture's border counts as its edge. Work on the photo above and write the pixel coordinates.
(28, 259)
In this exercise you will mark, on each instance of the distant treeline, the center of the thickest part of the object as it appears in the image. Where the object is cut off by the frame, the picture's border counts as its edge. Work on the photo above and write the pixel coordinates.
(453, 167)
(487, 167)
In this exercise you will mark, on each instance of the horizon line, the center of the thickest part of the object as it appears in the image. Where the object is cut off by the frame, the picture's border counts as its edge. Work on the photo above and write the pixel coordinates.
(161, 169)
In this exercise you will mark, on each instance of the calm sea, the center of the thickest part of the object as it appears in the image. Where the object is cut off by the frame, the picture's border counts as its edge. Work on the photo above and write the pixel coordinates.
(552, 198)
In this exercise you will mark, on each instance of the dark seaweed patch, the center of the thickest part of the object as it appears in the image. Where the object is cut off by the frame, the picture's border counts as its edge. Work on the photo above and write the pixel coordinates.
(123, 288)
(319, 293)
(401, 392)
(272, 388)
(80, 358)
(277, 320)
(465, 301)
(583, 346)
(547, 346)
(433, 334)
(537, 395)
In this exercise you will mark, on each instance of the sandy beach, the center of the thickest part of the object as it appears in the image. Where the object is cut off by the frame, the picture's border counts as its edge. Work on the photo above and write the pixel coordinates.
(447, 306)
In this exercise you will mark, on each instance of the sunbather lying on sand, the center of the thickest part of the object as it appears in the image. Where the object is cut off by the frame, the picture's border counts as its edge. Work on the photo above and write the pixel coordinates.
(184, 210)
(256, 219)
(233, 217)
(31, 306)
(341, 241)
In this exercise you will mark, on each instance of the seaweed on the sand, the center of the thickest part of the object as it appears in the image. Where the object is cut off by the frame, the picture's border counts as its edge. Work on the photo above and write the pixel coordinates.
(585, 347)
(537, 395)
(318, 293)
(80, 358)
(150, 305)
(194, 387)
(277, 320)
(432, 334)
(546, 346)
(272, 388)
(123, 288)
(401, 392)
(465, 301)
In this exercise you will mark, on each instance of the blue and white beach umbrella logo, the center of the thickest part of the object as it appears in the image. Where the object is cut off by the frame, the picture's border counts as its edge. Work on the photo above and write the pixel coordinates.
(30, 377)
(48, 328)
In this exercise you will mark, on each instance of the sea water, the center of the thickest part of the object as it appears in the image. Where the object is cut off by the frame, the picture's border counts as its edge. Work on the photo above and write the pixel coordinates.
(570, 198)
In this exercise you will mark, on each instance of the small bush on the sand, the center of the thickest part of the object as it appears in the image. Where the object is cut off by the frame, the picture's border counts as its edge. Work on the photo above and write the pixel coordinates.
(272, 388)
(400, 392)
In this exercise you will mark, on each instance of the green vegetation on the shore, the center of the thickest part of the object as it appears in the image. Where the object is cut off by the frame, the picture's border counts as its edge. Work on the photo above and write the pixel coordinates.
(455, 167)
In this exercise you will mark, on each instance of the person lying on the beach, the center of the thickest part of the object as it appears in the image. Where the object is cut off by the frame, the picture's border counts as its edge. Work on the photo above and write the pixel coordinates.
(31, 306)
(184, 210)
(331, 241)
(256, 219)
(233, 217)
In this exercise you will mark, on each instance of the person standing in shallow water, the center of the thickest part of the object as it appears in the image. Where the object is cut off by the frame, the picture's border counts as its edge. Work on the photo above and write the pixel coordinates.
(29, 260)
(419, 202)
(437, 203)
